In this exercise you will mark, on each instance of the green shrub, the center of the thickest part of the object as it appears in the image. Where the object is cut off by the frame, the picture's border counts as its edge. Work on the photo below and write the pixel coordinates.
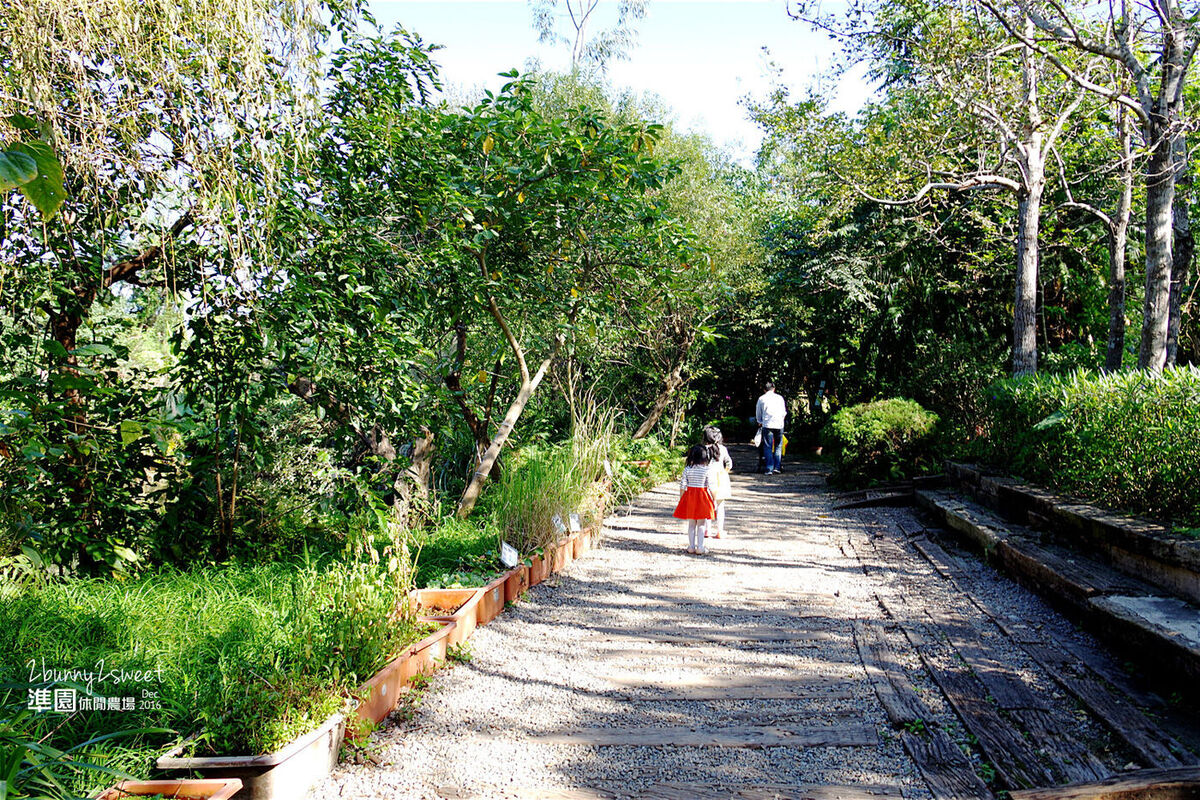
(1128, 440)
(886, 439)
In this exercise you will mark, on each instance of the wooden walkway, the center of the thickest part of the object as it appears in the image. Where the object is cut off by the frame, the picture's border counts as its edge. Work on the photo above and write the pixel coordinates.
(812, 654)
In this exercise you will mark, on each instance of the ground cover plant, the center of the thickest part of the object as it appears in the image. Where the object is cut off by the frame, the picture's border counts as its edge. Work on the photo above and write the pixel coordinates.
(1126, 440)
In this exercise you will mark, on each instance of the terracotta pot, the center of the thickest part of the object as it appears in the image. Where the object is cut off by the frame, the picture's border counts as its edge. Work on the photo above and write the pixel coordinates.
(194, 789)
(516, 582)
(578, 544)
(379, 695)
(492, 601)
(539, 570)
(285, 774)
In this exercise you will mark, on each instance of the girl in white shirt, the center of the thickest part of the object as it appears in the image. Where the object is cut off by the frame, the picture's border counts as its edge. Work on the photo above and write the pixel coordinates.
(695, 501)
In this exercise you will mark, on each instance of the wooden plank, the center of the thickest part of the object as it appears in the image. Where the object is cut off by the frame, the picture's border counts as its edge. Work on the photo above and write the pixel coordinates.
(687, 635)
(947, 772)
(1018, 765)
(896, 694)
(753, 736)
(1146, 738)
(1069, 669)
(673, 790)
(1068, 757)
(1015, 761)
(1145, 784)
(736, 693)
(1005, 687)
(1073, 761)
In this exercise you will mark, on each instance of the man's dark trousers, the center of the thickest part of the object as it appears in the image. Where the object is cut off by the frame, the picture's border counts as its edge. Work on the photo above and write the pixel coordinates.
(772, 444)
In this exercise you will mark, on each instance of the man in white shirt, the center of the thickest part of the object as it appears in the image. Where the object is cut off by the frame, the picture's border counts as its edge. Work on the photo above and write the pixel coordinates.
(770, 413)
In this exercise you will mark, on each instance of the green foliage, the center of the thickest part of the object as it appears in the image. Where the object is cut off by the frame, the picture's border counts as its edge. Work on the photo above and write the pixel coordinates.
(886, 439)
(251, 656)
(1130, 440)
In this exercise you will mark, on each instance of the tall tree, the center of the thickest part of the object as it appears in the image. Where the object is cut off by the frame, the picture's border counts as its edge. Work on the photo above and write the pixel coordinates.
(1155, 43)
(164, 122)
(591, 50)
(1004, 89)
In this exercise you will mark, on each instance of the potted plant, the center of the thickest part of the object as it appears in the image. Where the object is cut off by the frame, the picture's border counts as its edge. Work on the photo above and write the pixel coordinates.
(287, 773)
(290, 771)
(460, 606)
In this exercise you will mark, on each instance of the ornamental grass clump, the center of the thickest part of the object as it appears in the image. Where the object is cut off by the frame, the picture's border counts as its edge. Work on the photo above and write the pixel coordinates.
(883, 440)
(545, 481)
(1128, 440)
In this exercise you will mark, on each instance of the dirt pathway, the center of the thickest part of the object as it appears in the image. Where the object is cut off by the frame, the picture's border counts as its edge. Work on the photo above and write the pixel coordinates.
(792, 661)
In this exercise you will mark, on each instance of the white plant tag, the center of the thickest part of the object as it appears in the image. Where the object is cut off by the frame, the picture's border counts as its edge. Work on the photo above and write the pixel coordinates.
(558, 524)
(508, 555)
(575, 525)
(608, 468)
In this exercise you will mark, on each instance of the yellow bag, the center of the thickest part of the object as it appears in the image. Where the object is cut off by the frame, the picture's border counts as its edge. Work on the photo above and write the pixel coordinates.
(783, 448)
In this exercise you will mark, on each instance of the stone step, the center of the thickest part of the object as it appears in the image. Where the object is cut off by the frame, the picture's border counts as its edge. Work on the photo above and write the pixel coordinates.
(1144, 548)
(1154, 629)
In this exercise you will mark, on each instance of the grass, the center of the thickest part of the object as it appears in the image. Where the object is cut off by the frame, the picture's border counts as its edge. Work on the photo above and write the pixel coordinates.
(251, 656)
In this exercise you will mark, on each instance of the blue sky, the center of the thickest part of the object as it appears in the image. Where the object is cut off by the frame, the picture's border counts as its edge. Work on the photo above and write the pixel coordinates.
(702, 57)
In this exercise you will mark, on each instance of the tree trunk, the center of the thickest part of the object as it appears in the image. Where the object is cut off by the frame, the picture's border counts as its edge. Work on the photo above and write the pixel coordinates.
(1029, 209)
(1118, 238)
(672, 382)
(474, 488)
(1160, 201)
(1029, 213)
(1184, 249)
(419, 470)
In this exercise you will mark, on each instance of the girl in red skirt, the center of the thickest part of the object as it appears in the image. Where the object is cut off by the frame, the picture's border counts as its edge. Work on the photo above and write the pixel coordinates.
(695, 500)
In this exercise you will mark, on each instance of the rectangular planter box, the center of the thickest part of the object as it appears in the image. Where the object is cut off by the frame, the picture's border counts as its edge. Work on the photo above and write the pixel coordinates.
(539, 570)
(379, 695)
(286, 774)
(516, 582)
(563, 555)
(492, 601)
(434, 604)
(194, 789)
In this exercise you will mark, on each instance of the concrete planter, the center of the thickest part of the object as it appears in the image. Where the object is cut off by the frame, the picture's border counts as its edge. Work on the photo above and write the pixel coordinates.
(286, 774)
(515, 583)
(379, 695)
(197, 789)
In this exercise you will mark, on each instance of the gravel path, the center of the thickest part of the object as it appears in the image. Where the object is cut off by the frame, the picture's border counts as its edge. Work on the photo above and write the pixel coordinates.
(638, 619)
(644, 671)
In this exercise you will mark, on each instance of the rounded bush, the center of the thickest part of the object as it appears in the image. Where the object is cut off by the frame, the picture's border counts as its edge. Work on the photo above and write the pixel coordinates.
(886, 439)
